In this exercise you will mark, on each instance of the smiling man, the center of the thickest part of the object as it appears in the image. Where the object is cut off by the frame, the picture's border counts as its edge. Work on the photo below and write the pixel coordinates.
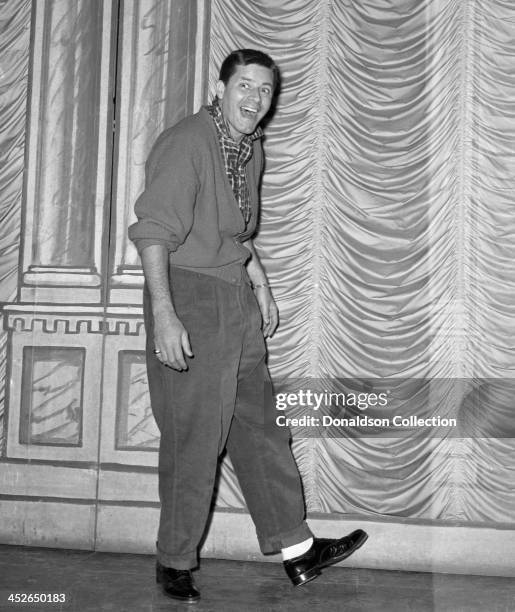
(207, 308)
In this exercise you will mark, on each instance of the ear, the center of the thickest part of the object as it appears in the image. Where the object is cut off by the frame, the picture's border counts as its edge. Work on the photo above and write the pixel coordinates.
(220, 89)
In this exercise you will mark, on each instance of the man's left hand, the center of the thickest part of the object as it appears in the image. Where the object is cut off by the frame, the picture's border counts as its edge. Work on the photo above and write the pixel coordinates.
(269, 310)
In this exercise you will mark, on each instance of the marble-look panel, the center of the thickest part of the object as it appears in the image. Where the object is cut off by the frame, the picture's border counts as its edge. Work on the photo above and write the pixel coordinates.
(135, 425)
(64, 228)
(52, 395)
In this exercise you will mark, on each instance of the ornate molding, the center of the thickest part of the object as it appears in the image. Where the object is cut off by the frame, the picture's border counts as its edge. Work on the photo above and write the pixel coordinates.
(72, 320)
(64, 277)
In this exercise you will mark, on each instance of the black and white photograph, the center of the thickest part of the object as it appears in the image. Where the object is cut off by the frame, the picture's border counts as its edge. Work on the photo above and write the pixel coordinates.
(257, 305)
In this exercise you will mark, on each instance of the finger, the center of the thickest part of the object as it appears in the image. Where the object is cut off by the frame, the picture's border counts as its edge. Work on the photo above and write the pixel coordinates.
(172, 358)
(176, 366)
(164, 359)
(178, 361)
(266, 327)
(186, 346)
(169, 358)
(274, 322)
(160, 355)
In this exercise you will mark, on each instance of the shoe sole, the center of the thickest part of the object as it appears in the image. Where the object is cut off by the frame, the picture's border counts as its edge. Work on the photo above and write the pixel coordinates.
(306, 577)
(181, 599)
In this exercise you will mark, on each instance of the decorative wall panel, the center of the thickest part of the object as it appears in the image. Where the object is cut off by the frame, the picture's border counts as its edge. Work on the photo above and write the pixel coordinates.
(53, 392)
(52, 395)
(129, 434)
(67, 182)
(135, 425)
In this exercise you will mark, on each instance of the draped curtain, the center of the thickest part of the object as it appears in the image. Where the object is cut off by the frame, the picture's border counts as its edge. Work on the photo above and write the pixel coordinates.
(388, 233)
(14, 60)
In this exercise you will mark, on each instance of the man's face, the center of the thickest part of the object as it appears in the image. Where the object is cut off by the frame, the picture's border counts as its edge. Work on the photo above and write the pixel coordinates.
(246, 98)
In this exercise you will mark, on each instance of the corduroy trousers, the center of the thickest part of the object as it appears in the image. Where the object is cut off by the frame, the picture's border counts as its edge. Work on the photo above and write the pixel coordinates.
(223, 400)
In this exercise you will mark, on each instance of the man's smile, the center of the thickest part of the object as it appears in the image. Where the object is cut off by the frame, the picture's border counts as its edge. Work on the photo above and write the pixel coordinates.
(249, 111)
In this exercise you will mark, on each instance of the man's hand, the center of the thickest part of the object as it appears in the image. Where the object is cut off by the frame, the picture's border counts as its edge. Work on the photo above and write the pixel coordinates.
(171, 341)
(262, 291)
(269, 310)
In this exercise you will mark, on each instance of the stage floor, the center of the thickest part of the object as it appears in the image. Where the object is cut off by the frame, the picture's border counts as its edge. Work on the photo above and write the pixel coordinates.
(124, 582)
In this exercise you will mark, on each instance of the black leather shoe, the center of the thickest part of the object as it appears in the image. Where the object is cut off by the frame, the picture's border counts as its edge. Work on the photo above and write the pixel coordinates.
(322, 553)
(177, 584)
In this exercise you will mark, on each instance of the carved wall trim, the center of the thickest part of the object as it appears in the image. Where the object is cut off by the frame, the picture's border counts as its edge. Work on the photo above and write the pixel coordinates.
(73, 320)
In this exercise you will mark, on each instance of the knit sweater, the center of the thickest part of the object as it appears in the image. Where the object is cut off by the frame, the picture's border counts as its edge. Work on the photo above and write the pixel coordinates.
(188, 204)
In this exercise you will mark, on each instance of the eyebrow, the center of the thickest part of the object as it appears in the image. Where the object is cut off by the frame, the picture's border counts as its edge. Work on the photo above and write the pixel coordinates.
(252, 81)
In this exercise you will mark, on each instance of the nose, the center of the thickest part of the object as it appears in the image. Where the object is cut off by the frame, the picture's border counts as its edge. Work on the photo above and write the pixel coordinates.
(255, 94)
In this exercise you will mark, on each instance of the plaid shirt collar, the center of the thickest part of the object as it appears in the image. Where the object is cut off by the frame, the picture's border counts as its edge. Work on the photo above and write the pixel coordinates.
(222, 128)
(236, 156)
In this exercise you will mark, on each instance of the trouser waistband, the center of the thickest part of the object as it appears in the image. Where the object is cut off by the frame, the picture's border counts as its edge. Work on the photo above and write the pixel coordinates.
(235, 274)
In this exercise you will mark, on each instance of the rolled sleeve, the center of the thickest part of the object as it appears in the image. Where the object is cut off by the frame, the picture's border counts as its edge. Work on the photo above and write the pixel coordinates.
(165, 209)
(146, 232)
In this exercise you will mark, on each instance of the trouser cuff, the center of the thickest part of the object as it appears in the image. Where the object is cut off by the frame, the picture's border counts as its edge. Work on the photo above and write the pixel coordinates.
(274, 544)
(179, 562)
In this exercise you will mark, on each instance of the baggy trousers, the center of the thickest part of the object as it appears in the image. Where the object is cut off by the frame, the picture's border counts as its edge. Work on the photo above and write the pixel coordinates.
(224, 399)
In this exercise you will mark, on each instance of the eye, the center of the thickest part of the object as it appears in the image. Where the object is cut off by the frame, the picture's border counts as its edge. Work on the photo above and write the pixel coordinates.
(244, 85)
(266, 91)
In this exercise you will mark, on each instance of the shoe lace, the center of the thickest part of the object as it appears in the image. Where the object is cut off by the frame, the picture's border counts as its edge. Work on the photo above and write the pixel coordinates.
(183, 574)
(334, 550)
(337, 548)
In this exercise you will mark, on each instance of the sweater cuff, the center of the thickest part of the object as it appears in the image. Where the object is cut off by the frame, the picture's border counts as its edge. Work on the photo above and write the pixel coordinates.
(145, 242)
(145, 233)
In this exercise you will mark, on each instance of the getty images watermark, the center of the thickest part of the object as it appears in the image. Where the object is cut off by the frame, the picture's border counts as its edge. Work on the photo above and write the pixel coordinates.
(317, 401)
(396, 407)
(362, 401)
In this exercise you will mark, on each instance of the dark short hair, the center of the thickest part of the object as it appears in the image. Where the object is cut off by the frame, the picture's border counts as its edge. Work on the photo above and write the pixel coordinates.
(243, 57)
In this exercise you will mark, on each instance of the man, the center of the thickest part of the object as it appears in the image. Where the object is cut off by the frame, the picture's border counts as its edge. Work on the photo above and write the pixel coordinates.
(208, 307)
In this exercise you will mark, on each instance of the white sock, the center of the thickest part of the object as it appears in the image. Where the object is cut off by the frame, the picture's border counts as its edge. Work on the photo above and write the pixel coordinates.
(296, 550)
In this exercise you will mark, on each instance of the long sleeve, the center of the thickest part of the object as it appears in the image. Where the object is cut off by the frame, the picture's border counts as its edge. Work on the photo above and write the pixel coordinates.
(165, 209)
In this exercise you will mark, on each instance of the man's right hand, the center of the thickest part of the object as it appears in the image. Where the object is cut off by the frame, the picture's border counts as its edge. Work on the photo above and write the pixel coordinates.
(171, 341)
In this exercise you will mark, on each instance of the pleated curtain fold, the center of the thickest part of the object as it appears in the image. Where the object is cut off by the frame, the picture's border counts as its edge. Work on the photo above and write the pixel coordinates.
(388, 232)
